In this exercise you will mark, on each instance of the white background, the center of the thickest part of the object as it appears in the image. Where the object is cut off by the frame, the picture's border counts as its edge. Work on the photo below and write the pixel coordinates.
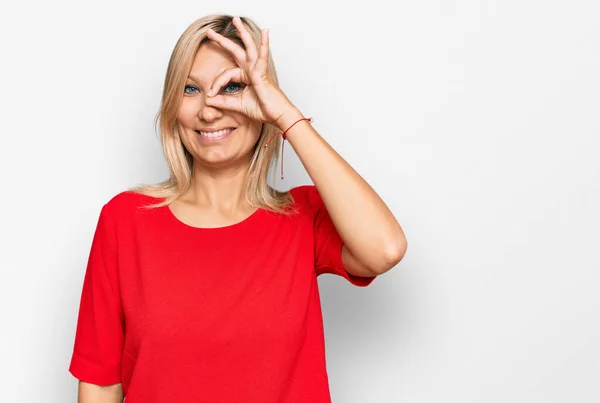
(476, 121)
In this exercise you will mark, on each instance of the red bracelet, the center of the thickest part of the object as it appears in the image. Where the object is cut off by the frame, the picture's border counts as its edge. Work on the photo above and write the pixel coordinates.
(284, 138)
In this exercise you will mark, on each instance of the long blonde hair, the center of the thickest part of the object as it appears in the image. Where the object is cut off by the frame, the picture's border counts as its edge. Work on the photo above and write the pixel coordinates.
(179, 161)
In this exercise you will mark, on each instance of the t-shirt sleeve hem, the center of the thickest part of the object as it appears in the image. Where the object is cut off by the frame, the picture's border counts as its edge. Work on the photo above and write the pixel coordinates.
(89, 372)
(358, 281)
(338, 266)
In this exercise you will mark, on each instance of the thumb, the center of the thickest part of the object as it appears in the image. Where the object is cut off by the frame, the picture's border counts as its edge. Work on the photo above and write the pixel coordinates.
(224, 102)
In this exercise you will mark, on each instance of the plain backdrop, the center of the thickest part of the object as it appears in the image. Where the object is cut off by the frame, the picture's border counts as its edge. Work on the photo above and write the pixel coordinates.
(476, 122)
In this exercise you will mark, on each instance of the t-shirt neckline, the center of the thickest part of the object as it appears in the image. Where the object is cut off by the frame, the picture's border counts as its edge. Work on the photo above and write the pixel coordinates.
(230, 227)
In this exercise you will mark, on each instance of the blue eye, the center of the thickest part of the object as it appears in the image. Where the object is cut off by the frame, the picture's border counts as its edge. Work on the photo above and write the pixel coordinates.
(189, 86)
(233, 84)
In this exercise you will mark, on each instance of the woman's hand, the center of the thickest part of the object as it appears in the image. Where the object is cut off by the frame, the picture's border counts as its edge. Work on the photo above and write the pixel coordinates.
(260, 99)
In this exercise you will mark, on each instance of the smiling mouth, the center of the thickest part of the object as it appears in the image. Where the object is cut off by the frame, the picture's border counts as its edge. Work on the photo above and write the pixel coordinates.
(218, 135)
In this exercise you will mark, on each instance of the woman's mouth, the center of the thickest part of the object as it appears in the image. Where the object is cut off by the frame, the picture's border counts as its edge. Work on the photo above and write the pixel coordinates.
(215, 136)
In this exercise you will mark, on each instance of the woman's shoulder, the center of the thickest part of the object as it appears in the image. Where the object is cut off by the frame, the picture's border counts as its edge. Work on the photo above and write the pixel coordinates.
(128, 202)
(302, 191)
(307, 195)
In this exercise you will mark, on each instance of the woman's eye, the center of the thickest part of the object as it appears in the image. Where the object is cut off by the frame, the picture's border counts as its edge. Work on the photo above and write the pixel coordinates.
(233, 85)
(189, 86)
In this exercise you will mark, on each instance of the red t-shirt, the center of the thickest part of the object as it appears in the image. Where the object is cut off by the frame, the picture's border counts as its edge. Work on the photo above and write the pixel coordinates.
(192, 315)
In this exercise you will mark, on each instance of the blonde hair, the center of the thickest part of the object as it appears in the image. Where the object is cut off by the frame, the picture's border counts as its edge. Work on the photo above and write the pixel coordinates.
(179, 161)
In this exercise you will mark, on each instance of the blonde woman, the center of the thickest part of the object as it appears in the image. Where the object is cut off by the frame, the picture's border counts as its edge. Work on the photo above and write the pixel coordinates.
(203, 288)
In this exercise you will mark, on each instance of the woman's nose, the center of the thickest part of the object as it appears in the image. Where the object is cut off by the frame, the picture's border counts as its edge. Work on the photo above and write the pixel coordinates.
(209, 112)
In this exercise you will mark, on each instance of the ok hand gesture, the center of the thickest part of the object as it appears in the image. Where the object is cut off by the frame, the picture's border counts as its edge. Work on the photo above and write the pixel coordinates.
(260, 99)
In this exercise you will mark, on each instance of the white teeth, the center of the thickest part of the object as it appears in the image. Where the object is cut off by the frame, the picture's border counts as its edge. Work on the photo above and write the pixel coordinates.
(215, 134)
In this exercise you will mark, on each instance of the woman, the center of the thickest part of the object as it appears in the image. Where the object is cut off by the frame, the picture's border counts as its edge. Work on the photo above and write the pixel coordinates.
(203, 288)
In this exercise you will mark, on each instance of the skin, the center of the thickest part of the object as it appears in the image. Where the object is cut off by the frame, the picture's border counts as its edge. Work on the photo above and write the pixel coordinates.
(91, 393)
(216, 196)
(373, 239)
(374, 242)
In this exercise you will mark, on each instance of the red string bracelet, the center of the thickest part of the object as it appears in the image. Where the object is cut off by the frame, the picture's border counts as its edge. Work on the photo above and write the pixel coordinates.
(284, 138)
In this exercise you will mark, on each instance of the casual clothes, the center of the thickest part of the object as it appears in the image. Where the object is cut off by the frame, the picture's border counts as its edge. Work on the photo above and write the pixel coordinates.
(230, 314)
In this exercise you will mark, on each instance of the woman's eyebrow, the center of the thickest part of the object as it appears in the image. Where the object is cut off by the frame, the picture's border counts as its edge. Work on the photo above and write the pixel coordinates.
(196, 79)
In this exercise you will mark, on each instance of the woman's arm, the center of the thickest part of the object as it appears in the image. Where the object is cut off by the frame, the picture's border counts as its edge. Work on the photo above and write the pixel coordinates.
(373, 239)
(91, 393)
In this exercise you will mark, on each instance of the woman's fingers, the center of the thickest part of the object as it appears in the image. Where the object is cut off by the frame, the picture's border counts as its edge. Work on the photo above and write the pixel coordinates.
(263, 56)
(226, 76)
(246, 38)
(239, 54)
(224, 102)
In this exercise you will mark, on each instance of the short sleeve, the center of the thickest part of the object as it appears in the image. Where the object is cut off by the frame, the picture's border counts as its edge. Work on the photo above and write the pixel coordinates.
(328, 243)
(99, 335)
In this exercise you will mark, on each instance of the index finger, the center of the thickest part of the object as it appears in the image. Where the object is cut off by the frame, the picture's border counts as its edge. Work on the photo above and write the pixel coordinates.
(246, 38)
(236, 50)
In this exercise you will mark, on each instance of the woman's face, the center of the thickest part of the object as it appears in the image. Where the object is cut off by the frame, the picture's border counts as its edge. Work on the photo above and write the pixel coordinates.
(229, 150)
